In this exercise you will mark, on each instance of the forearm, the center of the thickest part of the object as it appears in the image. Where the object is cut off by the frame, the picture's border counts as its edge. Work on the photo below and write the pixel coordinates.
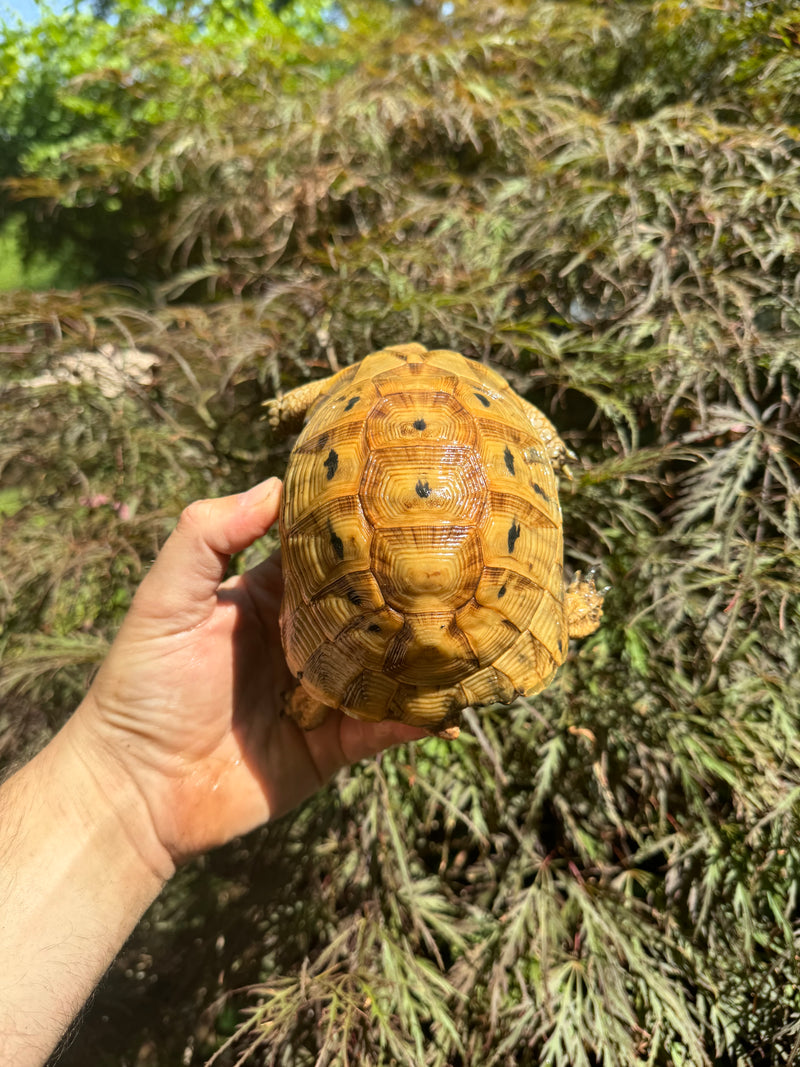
(74, 880)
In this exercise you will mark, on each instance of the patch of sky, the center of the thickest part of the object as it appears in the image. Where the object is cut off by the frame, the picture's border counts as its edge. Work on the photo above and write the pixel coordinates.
(28, 11)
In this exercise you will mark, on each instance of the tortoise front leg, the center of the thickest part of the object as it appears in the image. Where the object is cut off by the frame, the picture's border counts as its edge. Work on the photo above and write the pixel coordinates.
(292, 406)
(557, 452)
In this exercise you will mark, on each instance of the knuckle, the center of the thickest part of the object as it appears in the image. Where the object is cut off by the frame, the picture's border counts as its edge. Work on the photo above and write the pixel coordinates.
(194, 516)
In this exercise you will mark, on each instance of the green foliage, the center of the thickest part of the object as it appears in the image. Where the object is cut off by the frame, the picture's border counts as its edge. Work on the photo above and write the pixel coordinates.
(37, 270)
(77, 92)
(602, 199)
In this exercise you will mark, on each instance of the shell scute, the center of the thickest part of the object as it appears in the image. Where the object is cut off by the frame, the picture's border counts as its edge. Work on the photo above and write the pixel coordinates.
(348, 598)
(431, 707)
(528, 663)
(325, 468)
(488, 686)
(331, 540)
(411, 418)
(488, 631)
(305, 633)
(454, 363)
(347, 404)
(519, 536)
(427, 568)
(418, 379)
(368, 637)
(491, 378)
(481, 399)
(516, 463)
(328, 672)
(430, 649)
(429, 484)
(369, 695)
(549, 626)
(510, 593)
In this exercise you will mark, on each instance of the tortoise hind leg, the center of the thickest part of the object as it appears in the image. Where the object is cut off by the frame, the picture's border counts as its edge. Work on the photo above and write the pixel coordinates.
(583, 603)
(306, 711)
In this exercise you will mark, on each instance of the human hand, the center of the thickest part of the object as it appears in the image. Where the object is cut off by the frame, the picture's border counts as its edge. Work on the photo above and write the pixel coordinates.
(187, 706)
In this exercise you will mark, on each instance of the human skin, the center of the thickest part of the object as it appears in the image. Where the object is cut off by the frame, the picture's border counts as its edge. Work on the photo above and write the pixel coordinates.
(178, 746)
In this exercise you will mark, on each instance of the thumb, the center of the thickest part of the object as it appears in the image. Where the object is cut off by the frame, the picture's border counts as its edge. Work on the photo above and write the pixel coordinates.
(341, 740)
(360, 739)
(188, 570)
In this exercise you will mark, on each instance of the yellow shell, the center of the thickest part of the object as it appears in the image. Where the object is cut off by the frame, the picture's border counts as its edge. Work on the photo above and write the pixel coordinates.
(421, 540)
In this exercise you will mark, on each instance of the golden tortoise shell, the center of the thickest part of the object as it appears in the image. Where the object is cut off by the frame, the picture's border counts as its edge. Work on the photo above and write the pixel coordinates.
(422, 542)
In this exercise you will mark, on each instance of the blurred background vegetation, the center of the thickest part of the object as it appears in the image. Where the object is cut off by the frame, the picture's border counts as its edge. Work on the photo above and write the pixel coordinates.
(206, 202)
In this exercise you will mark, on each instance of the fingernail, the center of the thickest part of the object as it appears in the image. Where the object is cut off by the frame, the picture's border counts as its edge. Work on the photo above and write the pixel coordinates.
(260, 493)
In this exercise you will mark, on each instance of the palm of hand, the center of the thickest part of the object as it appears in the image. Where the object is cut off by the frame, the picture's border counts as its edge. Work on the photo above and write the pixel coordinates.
(189, 701)
(201, 692)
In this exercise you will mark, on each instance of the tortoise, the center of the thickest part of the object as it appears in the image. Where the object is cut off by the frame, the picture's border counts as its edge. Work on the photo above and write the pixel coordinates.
(421, 538)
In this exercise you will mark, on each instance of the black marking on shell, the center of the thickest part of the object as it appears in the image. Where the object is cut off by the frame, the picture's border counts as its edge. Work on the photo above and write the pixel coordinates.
(509, 624)
(513, 534)
(419, 424)
(331, 463)
(374, 628)
(538, 489)
(351, 402)
(336, 542)
(560, 646)
(483, 399)
(300, 675)
(423, 489)
(501, 591)
(353, 597)
(509, 460)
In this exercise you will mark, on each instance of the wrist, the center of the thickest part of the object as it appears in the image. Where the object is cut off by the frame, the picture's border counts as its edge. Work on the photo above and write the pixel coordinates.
(109, 798)
(76, 874)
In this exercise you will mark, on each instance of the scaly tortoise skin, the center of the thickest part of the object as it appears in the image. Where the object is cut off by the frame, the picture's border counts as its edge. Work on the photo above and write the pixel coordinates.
(422, 546)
